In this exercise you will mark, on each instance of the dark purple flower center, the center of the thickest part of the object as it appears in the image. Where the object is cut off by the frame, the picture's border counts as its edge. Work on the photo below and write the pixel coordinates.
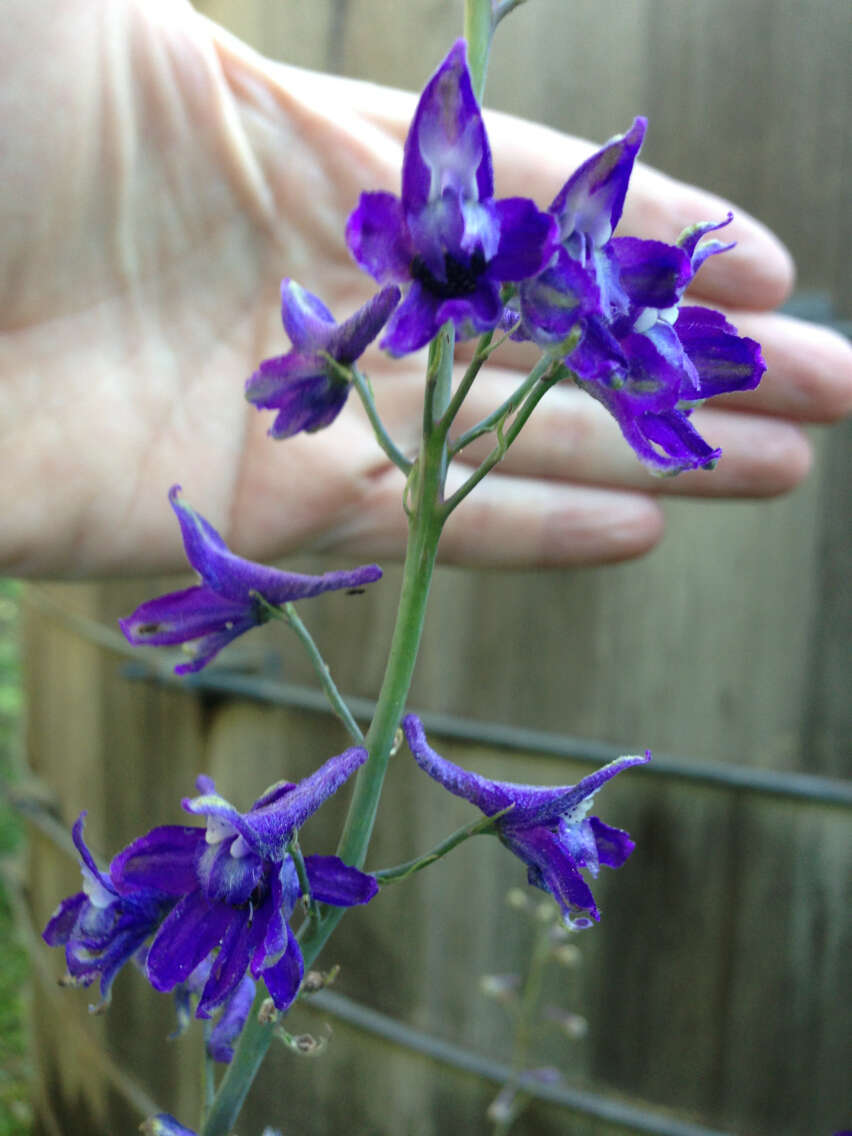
(460, 279)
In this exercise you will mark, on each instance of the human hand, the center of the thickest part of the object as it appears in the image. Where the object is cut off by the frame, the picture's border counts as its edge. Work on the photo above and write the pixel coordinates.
(159, 179)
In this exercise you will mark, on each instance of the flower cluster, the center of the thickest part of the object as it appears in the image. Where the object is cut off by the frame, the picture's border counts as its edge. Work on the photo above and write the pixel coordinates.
(234, 595)
(217, 900)
(548, 829)
(609, 306)
(646, 358)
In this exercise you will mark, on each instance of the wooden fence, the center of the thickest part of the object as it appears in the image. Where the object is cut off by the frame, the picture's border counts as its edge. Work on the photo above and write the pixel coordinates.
(716, 986)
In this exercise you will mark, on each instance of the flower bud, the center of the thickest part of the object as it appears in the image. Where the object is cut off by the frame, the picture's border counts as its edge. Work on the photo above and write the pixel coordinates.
(267, 1012)
(567, 954)
(502, 988)
(517, 899)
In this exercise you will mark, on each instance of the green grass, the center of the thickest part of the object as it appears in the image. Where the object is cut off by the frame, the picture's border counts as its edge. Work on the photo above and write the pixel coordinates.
(15, 1114)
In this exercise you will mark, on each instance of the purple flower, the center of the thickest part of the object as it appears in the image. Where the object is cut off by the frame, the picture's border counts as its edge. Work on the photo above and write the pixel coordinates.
(234, 887)
(164, 1124)
(547, 828)
(225, 604)
(100, 928)
(648, 360)
(301, 385)
(446, 236)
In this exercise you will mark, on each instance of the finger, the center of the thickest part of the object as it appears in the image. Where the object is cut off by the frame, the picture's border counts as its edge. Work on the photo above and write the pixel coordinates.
(809, 369)
(510, 522)
(571, 437)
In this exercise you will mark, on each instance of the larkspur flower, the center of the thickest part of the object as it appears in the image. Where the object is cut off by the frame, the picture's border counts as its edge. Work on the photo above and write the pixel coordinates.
(234, 886)
(302, 386)
(100, 928)
(548, 828)
(648, 360)
(164, 1124)
(208, 616)
(446, 236)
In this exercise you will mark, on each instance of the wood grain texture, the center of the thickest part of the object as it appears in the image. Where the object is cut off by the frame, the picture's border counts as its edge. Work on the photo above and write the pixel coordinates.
(716, 983)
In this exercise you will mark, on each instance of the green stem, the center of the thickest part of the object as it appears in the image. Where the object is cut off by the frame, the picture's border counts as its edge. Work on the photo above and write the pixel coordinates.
(505, 440)
(384, 439)
(511, 404)
(478, 29)
(425, 521)
(475, 366)
(295, 851)
(248, 1055)
(484, 824)
(208, 1075)
(525, 1028)
(288, 615)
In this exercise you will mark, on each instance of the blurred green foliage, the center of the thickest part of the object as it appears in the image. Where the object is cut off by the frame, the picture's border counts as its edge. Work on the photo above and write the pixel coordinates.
(15, 1115)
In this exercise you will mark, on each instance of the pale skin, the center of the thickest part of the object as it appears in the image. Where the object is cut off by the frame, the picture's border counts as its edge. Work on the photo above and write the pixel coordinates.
(157, 179)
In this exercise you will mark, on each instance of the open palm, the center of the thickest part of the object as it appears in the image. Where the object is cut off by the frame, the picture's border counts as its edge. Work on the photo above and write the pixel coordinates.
(158, 179)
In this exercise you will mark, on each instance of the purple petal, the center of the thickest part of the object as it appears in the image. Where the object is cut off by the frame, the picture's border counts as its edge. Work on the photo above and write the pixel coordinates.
(554, 301)
(164, 1124)
(274, 793)
(284, 587)
(189, 933)
(475, 314)
(269, 829)
(689, 238)
(203, 651)
(551, 867)
(279, 904)
(306, 319)
(61, 924)
(532, 804)
(334, 882)
(447, 147)
(352, 337)
(545, 806)
(284, 977)
(414, 323)
(88, 860)
(652, 384)
(234, 578)
(528, 240)
(212, 805)
(724, 361)
(179, 617)
(270, 383)
(651, 273)
(489, 796)
(303, 405)
(677, 444)
(578, 840)
(165, 860)
(592, 199)
(230, 1025)
(614, 845)
(230, 964)
(229, 878)
(378, 238)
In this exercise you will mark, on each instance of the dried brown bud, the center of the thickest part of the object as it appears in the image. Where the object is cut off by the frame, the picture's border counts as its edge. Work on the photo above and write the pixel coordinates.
(267, 1012)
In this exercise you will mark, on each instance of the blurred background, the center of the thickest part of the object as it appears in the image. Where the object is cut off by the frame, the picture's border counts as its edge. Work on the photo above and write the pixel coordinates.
(716, 986)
